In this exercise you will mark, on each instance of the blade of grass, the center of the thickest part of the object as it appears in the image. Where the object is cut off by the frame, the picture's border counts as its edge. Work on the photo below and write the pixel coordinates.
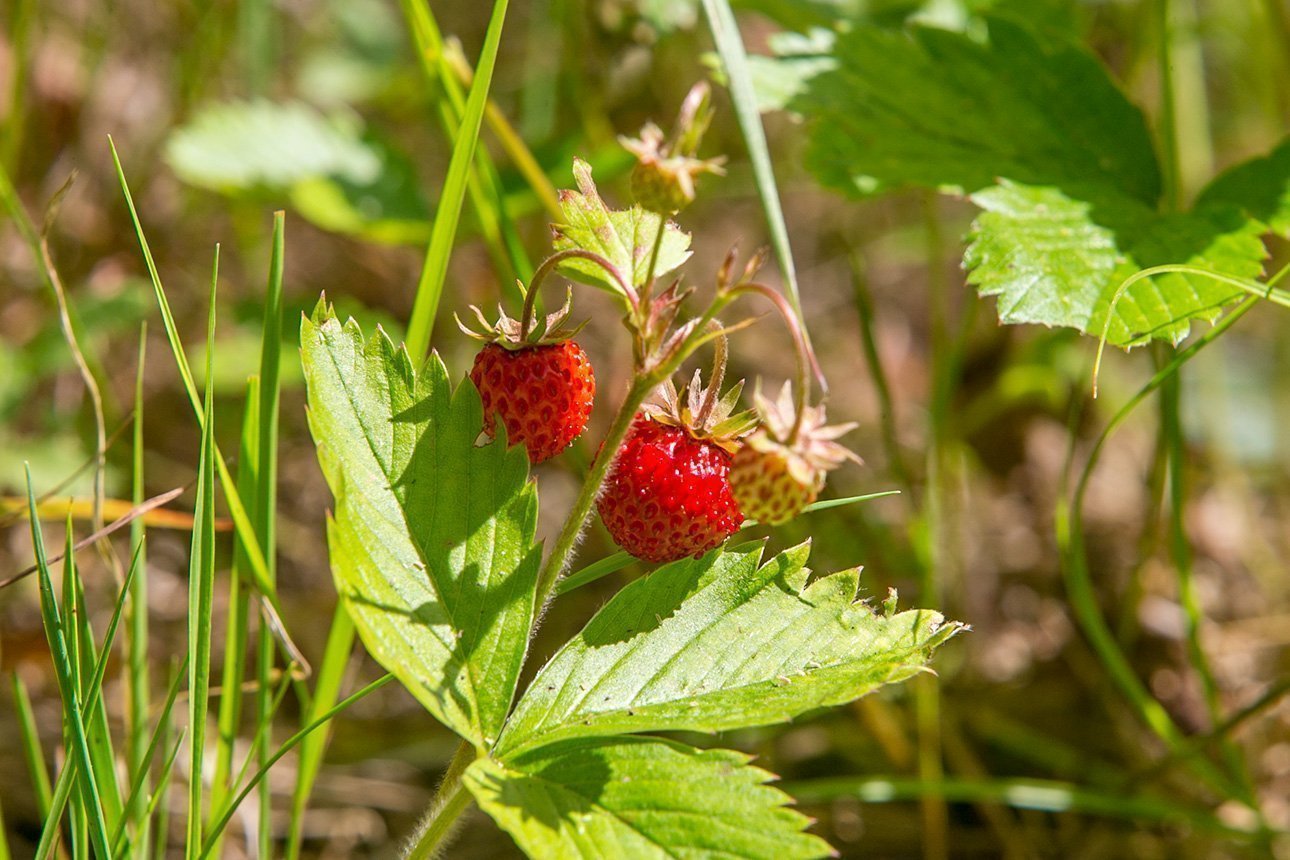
(259, 740)
(730, 47)
(237, 628)
(138, 695)
(265, 498)
(241, 520)
(488, 202)
(51, 833)
(69, 690)
(159, 808)
(288, 746)
(31, 747)
(80, 799)
(331, 671)
(510, 140)
(139, 786)
(430, 286)
(91, 663)
(53, 806)
(201, 591)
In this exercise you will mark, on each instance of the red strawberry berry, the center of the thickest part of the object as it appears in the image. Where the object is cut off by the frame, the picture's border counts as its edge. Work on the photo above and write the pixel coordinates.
(667, 495)
(543, 394)
(535, 377)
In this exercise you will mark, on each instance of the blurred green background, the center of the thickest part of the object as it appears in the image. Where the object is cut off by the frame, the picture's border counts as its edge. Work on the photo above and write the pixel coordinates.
(225, 111)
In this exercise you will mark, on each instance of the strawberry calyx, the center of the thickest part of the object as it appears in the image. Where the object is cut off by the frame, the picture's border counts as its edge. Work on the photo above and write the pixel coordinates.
(804, 440)
(666, 166)
(510, 334)
(702, 412)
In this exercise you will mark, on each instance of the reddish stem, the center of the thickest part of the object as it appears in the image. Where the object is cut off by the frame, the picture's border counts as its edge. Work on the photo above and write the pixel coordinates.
(548, 266)
(802, 349)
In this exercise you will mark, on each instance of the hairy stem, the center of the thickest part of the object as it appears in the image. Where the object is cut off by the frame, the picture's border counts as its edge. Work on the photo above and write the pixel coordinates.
(577, 518)
(450, 801)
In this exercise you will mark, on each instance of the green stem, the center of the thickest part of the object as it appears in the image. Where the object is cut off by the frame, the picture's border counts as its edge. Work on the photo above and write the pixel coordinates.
(648, 286)
(450, 801)
(1079, 585)
(1168, 113)
(577, 518)
(801, 349)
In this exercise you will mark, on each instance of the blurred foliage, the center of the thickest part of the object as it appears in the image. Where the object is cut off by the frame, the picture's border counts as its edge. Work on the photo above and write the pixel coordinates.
(1021, 696)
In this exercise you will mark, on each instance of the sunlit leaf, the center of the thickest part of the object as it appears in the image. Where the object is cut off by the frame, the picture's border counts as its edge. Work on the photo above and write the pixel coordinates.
(640, 798)
(432, 538)
(721, 643)
(624, 237)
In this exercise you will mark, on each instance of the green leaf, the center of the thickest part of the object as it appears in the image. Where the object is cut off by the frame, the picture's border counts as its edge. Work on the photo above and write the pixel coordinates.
(640, 798)
(239, 146)
(720, 643)
(1034, 130)
(624, 237)
(1260, 187)
(339, 176)
(432, 539)
(929, 108)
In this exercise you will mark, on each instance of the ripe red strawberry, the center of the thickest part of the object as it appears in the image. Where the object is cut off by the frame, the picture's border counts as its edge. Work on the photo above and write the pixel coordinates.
(667, 495)
(543, 394)
(540, 384)
(778, 472)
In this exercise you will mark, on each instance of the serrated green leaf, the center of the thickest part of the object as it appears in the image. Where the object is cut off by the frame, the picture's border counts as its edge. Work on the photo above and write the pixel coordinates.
(720, 643)
(1260, 187)
(1049, 261)
(929, 108)
(1034, 130)
(640, 798)
(624, 237)
(432, 539)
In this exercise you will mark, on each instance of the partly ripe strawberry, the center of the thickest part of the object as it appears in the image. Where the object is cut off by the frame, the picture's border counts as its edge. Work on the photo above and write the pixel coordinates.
(539, 383)
(776, 473)
(667, 495)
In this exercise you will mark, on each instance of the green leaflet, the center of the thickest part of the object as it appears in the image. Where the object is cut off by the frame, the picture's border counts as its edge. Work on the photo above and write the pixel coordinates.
(1035, 132)
(929, 108)
(339, 175)
(640, 798)
(1050, 262)
(1260, 187)
(720, 643)
(432, 538)
(624, 237)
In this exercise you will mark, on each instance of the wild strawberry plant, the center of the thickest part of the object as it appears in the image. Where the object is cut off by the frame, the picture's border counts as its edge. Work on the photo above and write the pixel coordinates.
(435, 555)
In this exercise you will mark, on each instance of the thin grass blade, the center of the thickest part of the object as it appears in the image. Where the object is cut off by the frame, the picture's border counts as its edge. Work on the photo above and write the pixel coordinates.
(201, 591)
(340, 644)
(31, 748)
(64, 669)
(730, 47)
(430, 287)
